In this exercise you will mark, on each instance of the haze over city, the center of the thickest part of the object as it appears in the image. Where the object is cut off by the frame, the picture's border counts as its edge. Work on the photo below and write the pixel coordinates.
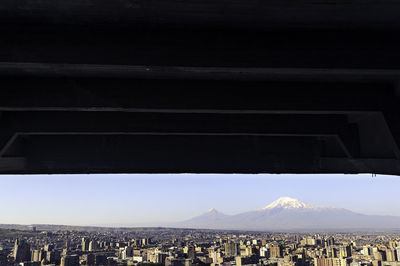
(159, 200)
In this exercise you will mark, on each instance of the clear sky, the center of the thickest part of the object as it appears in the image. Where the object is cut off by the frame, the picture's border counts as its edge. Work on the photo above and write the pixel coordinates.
(152, 200)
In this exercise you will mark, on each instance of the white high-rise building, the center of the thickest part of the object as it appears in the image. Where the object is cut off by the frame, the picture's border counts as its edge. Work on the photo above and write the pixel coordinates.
(264, 252)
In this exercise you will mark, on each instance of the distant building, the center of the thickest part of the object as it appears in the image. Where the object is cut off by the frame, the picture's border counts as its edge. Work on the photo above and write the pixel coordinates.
(376, 263)
(264, 252)
(90, 259)
(253, 260)
(170, 261)
(367, 251)
(22, 251)
(145, 241)
(139, 258)
(331, 252)
(53, 256)
(330, 241)
(216, 256)
(3, 259)
(37, 255)
(29, 263)
(329, 262)
(246, 251)
(231, 249)
(126, 252)
(157, 257)
(67, 243)
(190, 251)
(390, 255)
(275, 252)
(72, 260)
(345, 251)
(378, 255)
(100, 259)
(85, 244)
(92, 245)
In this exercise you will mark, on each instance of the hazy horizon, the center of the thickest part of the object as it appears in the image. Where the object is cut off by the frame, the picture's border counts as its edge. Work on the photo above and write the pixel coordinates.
(156, 200)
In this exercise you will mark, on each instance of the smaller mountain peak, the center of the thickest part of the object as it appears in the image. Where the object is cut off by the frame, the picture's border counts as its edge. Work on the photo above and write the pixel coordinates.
(287, 203)
(213, 212)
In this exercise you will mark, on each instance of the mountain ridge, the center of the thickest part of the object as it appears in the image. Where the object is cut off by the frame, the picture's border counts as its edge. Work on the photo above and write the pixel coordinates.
(288, 213)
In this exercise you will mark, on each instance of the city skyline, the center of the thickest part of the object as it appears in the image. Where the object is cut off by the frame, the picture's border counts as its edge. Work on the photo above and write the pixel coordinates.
(69, 246)
(156, 200)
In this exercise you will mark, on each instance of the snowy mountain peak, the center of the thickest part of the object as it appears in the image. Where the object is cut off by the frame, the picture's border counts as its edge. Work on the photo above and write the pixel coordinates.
(212, 213)
(287, 203)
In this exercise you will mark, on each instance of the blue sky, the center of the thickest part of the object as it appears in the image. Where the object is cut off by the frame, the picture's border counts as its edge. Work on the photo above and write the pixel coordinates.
(158, 199)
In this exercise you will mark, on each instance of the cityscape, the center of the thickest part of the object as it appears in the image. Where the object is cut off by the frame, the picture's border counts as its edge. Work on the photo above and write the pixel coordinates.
(343, 242)
(66, 246)
(270, 220)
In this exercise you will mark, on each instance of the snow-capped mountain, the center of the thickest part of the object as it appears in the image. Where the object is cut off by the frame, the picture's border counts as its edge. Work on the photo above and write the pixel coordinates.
(287, 203)
(291, 214)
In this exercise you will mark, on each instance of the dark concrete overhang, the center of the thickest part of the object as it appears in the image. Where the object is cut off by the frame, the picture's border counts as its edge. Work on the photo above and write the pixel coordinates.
(200, 86)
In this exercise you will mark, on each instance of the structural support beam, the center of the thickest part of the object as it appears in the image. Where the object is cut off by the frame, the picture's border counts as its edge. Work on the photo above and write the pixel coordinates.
(55, 70)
